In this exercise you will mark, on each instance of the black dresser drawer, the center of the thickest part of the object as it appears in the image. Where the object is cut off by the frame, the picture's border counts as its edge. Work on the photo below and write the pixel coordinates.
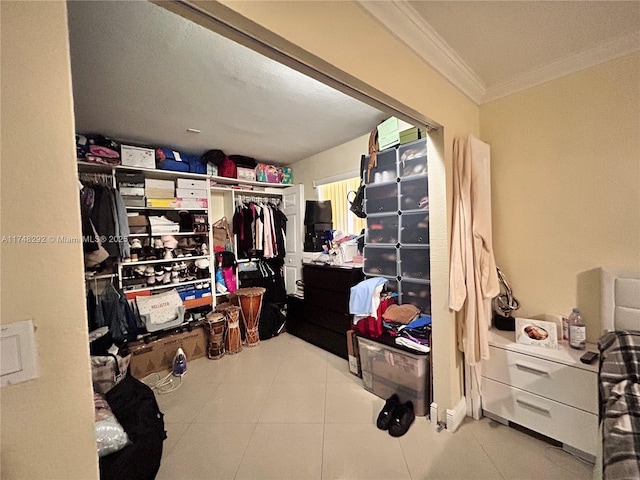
(330, 278)
(337, 302)
(336, 322)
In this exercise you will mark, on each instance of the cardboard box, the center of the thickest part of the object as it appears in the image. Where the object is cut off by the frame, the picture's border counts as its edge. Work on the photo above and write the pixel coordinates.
(157, 355)
(191, 193)
(138, 224)
(191, 202)
(134, 201)
(353, 352)
(132, 191)
(137, 156)
(194, 184)
(246, 174)
(159, 188)
(162, 202)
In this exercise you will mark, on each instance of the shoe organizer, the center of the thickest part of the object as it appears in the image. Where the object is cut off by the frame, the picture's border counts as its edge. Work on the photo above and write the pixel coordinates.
(381, 198)
(414, 263)
(413, 159)
(387, 370)
(386, 170)
(383, 229)
(381, 261)
(414, 194)
(416, 293)
(414, 228)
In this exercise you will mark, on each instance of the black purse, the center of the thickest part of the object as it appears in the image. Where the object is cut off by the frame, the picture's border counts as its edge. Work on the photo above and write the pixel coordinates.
(357, 204)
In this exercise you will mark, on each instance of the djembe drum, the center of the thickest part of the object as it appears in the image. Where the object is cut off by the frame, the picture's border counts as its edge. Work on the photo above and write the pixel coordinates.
(250, 300)
(215, 325)
(233, 342)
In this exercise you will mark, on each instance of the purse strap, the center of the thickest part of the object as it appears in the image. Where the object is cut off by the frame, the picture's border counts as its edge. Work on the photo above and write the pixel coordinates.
(374, 148)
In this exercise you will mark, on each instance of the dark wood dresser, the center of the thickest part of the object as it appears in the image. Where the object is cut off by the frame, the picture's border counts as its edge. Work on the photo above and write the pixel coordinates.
(322, 317)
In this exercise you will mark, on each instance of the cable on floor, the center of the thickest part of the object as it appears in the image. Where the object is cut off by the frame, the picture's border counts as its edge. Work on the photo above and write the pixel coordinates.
(162, 385)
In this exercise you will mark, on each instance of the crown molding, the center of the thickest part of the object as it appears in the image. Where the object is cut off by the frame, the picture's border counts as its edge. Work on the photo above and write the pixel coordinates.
(401, 19)
(576, 62)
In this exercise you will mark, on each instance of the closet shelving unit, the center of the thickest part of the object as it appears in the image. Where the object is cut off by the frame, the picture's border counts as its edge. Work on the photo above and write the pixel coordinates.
(222, 200)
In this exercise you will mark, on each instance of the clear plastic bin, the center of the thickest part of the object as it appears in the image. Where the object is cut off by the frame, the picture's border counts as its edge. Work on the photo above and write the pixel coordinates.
(386, 170)
(387, 370)
(414, 194)
(414, 263)
(381, 199)
(383, 229)
(414, 228)
(413, 158)
(381, 261)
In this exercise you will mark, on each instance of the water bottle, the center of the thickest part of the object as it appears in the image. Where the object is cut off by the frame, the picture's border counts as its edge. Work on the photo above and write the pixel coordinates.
(577, 330)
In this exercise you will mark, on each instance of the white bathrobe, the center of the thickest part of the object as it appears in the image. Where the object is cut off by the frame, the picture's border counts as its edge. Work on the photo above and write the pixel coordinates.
(473, 276)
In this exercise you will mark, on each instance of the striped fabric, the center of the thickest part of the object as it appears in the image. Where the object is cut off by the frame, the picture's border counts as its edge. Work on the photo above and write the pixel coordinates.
(619, 394)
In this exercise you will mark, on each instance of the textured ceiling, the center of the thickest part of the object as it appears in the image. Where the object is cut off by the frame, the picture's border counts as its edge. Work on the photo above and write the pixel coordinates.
(142, 74)
(500, 40)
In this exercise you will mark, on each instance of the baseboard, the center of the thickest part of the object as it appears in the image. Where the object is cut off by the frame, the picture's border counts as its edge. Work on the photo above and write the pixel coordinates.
(455, 416)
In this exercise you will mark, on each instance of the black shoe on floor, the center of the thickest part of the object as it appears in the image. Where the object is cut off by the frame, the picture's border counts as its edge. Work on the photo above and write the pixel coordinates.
(401, 419)
(385, 415)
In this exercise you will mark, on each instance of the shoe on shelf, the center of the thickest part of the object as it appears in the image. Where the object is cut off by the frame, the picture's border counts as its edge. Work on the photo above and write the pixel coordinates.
(204, 249)
(135, 243)
(403, 417)
(157, 243)
(385, 415)
(168, 254)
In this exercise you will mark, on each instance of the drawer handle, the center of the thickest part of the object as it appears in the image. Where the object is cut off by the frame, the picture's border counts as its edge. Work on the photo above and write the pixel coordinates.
(532, 368)
(540, 408)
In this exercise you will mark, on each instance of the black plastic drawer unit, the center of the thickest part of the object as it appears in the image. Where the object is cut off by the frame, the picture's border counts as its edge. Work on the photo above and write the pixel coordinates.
(386, 170)
(383, 229)
(414, 194)
(416, 293)
(381, 198)
(381, 261)
(414, 228)
(414, 263)
(413, 159)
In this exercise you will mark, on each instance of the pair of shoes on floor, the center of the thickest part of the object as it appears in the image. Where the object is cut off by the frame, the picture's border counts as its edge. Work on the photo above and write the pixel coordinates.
(395, 416)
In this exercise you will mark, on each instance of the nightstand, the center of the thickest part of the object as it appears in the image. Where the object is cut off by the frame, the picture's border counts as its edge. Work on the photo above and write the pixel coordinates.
(545, 390)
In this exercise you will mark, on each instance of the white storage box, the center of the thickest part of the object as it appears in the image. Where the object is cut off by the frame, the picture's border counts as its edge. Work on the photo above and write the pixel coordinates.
(196, 203)
(246, 174)
(191, 193)
(137, 156)
(159, 188)
(193, 184)
(387, 370)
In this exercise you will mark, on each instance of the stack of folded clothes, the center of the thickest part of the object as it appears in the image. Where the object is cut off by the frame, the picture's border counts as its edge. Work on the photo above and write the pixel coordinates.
(407, 326)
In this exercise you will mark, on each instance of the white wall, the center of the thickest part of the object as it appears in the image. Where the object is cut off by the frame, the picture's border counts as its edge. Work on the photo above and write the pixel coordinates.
(47, 423)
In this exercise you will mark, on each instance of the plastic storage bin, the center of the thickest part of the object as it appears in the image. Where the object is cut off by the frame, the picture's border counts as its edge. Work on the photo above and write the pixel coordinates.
(414, 228)
(414, 263)
(414, 194)
(386, 170)
(387, 370)
(413, 158)
(381, 198)
(383, 229)
(416, 293)
(381, 261)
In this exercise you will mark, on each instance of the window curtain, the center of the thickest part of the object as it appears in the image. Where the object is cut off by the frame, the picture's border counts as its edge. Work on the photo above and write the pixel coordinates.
(343, 219)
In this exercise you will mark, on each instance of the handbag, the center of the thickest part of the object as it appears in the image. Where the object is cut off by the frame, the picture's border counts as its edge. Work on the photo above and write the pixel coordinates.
(357, 204)
(222, 236)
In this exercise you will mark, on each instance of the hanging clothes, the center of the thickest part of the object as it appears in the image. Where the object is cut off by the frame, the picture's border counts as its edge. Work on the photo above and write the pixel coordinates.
(260, 229)
(473, 276)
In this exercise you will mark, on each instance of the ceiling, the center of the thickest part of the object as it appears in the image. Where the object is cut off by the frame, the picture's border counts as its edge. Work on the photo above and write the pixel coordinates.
(179, 75)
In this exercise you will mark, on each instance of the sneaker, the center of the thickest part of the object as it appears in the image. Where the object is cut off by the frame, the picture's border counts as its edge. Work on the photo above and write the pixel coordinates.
(135, 243)
(402, 418)
(168, 254)
(204, 249)
(384, 417)
(157, 243)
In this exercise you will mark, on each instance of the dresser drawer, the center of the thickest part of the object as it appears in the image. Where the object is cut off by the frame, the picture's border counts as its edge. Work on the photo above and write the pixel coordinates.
(568, 425)
(556, 381)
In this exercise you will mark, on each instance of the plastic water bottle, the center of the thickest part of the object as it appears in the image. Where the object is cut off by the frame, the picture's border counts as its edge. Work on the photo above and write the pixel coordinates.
(577, 330)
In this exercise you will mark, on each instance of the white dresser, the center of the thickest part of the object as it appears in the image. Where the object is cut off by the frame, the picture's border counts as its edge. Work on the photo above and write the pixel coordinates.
(548, 391)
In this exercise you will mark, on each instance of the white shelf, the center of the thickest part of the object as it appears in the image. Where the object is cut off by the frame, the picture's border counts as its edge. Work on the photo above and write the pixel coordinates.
(168, 285)
(176, 234)
(168, 208)
(177, 259)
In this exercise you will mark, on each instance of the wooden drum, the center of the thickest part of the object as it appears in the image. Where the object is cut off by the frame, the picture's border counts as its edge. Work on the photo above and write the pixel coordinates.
(215, 325)
(233, 342)
(250, 300)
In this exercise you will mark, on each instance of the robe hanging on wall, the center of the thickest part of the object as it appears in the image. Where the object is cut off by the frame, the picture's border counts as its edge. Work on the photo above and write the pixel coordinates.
(473, 276)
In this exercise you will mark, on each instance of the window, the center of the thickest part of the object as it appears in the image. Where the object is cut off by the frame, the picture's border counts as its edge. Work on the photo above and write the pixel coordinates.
(343, 219)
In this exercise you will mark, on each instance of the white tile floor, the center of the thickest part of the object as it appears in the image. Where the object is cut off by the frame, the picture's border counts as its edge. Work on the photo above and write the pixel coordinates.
(286, 409)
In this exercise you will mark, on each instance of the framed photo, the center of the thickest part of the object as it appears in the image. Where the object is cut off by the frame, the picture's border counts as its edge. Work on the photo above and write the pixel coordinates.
(536, 332)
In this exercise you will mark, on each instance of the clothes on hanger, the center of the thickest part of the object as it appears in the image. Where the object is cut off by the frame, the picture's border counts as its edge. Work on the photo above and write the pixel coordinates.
(260, 229)
(111, 309)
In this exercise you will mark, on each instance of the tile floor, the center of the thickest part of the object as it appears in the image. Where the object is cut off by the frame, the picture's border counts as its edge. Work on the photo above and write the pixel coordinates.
(288, 410)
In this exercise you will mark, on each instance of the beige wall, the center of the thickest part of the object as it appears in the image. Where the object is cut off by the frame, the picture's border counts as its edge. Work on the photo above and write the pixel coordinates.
(566, 185)
(345, 36)
(341, 159)
(47, 423)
